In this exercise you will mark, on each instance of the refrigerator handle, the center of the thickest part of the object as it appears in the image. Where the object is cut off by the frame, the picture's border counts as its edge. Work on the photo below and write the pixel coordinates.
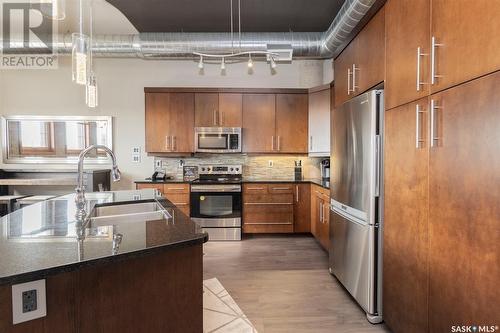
(377, 165)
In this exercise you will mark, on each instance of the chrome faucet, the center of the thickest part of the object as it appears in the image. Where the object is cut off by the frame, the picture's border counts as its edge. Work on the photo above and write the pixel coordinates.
(80, 189)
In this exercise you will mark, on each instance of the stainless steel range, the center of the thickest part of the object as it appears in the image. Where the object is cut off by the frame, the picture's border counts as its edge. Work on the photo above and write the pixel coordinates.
(216, 201)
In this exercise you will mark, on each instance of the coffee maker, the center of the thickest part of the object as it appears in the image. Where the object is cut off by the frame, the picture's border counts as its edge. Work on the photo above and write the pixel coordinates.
(325, 169)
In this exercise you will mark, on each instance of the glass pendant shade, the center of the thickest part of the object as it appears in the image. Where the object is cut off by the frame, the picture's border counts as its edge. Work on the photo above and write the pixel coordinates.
(80, 58)
(91, 95)
(53, 9)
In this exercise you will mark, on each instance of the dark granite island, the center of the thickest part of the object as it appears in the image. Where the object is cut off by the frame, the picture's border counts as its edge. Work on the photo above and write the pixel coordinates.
(133, 265)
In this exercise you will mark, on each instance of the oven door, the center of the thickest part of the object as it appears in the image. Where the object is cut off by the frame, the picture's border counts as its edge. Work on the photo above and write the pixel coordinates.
(216, 205)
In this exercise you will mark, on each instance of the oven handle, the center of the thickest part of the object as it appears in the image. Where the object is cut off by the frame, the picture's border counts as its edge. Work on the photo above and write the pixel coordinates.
(215, 189)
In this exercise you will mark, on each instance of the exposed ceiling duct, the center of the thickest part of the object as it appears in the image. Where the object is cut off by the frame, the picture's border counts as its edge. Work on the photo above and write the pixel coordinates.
(182, 45)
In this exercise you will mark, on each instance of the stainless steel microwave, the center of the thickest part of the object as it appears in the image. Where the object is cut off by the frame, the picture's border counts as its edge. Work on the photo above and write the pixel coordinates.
(217, 139)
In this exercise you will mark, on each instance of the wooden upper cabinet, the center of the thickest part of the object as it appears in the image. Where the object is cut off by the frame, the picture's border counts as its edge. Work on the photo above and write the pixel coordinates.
(291, 123)
(361, 65)
(469, 33)
(259, 123)
(218, 109)
(230, 109)
(407, 25)
(157, 122)
(342, 69)
(169, 122)
(406, 199)
(319, 122)
(369, 67)
(182, 122)
(206, 109)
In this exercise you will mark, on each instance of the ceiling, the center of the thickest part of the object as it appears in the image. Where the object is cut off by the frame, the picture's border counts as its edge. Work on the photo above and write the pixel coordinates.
(214, 15)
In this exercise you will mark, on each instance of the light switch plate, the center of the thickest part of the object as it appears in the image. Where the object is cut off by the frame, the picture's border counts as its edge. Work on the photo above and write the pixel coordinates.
(18, 316)
(136, 158)
(136, 150)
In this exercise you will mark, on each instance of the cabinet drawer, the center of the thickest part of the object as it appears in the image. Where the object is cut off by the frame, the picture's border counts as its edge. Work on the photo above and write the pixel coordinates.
(176, 188)
(267, 199)
(280, 188)
(157, 187)
(268, 229)
(256, 188)
(178, 199)
(272, 218)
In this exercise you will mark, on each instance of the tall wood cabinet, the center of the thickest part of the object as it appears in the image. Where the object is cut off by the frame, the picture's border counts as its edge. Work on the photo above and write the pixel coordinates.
(167, 129)
(302, 208)
(441, 226)
(362, 64)
(405, 250)
(275, 123)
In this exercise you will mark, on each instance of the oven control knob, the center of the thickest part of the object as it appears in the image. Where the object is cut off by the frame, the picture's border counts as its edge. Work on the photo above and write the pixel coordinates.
(202, 169)
(237, 169)
(232, 169)
(208, 169)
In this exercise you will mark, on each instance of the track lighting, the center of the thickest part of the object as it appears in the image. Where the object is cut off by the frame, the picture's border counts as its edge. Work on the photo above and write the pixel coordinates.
(250, 61)
(223, 65)
(200, 64)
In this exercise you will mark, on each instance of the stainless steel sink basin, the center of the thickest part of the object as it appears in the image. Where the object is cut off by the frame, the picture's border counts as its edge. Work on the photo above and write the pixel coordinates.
(146, 211)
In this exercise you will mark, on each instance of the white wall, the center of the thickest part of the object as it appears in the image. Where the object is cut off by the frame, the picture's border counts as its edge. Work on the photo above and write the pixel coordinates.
(121, 89)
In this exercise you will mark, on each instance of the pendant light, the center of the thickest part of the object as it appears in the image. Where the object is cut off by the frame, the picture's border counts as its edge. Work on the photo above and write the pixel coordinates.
(79, 52)
(91, 93)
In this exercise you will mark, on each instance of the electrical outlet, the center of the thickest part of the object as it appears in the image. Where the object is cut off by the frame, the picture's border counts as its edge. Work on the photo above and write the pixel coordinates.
(136, 150)
(136, 158)
(157, 163)
(270, 163)
(28, 301)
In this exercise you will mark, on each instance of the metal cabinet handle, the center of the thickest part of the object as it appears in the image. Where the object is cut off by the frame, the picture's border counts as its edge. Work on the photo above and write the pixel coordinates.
(175, 188)
(354, 69)
(433, 60)
(255, 188)
(280, 188)
(296, 193)
(167, 142)
(223, 118)
(272, 142)
(321, 212)
(433, 137)
(268, 223)
(214, 118)
(419, 56)
(348, 81)
(269, 203)
(174, 143)
(418, 140)
(311, 143)
(279, 144)
(180, 203)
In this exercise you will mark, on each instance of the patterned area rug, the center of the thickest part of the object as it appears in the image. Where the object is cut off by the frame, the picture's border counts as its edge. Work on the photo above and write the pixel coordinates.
(221, 314)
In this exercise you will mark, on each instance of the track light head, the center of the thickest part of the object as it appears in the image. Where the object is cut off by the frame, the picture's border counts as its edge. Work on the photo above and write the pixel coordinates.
(250, 61)
(200, 64)
(223, 65)
(273, 63)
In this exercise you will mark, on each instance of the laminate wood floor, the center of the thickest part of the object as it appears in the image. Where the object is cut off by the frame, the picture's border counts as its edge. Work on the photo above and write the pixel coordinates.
(282, 284)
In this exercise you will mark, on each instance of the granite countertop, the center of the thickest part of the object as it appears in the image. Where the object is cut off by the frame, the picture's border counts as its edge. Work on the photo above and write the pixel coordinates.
(318, 181)
(46, 238)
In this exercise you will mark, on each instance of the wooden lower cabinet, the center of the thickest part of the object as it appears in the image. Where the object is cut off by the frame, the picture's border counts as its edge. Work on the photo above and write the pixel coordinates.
(405, 254)
(320, 215)
(270, 210)
(302, 208)
(177, 193)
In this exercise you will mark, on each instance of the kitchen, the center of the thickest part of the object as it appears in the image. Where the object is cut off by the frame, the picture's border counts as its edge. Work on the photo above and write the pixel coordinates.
(315, 179)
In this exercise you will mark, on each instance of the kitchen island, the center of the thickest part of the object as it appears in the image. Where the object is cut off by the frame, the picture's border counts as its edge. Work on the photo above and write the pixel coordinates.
(134, 263)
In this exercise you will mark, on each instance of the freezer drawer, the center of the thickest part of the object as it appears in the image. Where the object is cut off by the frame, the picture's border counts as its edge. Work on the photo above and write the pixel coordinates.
(352, 259)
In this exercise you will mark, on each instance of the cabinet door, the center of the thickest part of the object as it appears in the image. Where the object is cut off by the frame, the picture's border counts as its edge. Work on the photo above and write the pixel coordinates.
(259, 123)
(370, 55)
(314, 212)
(324, 238)
(291, 123)
(230, 106)
(469, 33)
(407, 26)
(302, 208)
(182, 122)
(464, 209)
(157, 122)
(206, 109)
(405, 263)
(343, 74)
(319, 123)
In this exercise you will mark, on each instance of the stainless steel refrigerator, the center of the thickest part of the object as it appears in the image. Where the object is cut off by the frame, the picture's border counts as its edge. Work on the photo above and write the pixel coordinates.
(356, 200)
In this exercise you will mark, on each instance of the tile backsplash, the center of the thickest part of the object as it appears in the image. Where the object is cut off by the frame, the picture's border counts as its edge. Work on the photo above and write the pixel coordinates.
(253, 166)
